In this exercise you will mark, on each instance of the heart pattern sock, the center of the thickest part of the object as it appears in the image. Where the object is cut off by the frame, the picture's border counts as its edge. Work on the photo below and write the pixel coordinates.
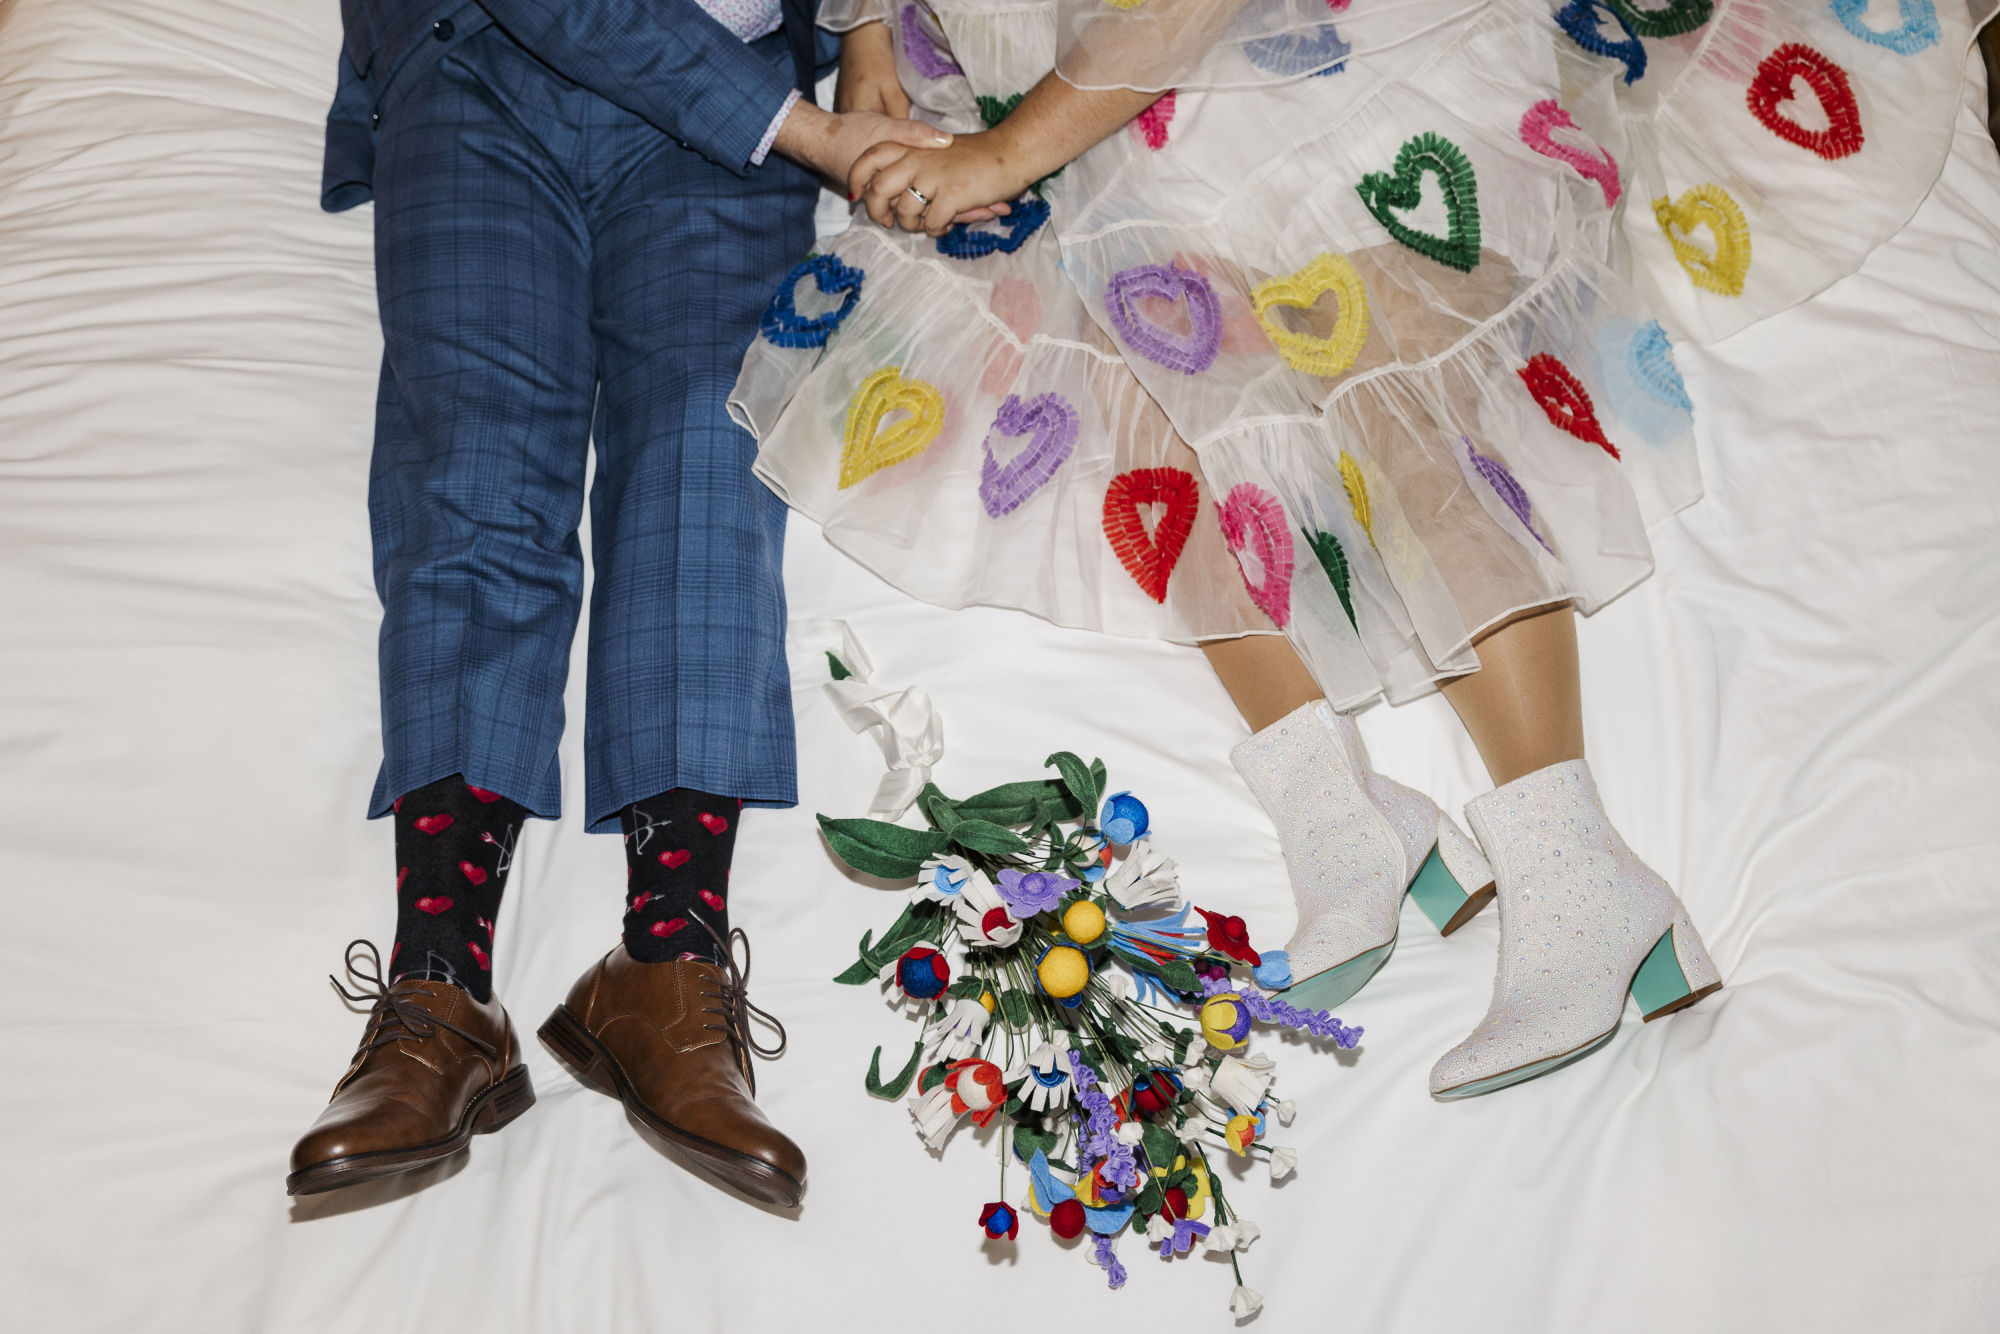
(677, 851)
(454, 847)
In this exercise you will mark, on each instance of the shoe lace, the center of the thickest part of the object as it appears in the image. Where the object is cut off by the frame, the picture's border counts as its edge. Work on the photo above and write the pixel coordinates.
(737, 1010)
(395, 1014)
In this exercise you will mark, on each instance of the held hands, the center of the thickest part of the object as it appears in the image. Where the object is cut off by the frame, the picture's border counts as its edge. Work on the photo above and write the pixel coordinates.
(831, 142)
(928, 189)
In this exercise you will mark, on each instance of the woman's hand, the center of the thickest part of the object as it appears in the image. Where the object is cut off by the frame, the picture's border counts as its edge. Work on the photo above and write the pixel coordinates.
(868, 79)
(966, 182)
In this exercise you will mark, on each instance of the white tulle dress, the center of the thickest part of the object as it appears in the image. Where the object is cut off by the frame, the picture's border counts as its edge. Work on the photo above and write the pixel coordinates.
(1362, 334)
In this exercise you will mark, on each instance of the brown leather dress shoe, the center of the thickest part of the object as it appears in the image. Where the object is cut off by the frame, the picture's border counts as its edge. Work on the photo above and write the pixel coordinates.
(435, 1067)
(671, 1041)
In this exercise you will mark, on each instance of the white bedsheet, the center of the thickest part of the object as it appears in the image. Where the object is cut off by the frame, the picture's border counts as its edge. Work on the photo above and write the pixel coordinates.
(1796, 720)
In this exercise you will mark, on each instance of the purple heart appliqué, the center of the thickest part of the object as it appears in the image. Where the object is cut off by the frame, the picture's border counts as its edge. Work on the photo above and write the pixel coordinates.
(1190, 355)
(1052, 423)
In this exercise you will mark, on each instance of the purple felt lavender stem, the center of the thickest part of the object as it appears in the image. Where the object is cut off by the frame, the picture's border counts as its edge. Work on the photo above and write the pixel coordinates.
(1114, 1272)
(1264, 1009)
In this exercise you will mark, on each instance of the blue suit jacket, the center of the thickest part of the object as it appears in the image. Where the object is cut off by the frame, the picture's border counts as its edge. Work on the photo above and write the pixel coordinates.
(666, 61)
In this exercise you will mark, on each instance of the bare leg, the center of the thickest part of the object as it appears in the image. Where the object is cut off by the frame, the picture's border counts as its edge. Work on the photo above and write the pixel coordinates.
(1523, 708)
(1263, 676)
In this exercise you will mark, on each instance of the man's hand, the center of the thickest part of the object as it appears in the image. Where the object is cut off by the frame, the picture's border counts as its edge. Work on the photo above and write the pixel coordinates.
(868, 79)
(829, 142)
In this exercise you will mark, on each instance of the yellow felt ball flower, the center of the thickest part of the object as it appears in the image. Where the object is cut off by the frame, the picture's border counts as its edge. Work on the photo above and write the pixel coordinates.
(1240, 1134)
(1063, 972)
(1083, 922)
(1223, 1022)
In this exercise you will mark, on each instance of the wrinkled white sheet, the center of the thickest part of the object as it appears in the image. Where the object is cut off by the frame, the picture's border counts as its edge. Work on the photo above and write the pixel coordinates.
(1796, 720)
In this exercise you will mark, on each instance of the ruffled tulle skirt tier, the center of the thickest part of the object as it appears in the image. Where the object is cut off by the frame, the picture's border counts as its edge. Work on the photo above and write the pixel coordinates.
(1355, 355)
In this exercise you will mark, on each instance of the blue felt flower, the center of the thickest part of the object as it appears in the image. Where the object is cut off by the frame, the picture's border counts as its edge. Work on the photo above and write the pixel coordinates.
(1275, 973)
(1124, 819)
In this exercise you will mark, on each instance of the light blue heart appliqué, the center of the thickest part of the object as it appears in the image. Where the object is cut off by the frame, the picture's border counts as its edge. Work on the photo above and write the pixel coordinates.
(1918, 32)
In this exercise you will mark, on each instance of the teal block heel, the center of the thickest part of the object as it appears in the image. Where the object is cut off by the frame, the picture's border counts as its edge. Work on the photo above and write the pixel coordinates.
(1447, 903)
(1661, 985)
(1336, 985)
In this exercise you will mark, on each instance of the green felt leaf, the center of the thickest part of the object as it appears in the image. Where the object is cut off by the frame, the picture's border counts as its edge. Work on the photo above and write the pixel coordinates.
(1182, 1041)
(837, 667)
(1078, 780)
(967, 988)
(1010, 803)
(1103, 785)
(895, 1087)
(932, 1076)
(1161, 1147)
(858, 972)
(876, 847)
(1180, 976)
(1014, 1008)
(1028, 1139)
(942, 817)
(985, 836)
(1149, 1199)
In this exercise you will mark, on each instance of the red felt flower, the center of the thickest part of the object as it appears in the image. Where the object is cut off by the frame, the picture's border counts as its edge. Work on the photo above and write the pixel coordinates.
(1228, 935)
(1000, 1220)
(1066, 1220)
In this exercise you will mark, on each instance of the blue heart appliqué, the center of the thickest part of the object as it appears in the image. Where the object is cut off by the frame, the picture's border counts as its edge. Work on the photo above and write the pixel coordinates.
(1316, 51)
(1579, 18)
(1650, 358)
(782, 323)
(1027, 217)
(1919, 30)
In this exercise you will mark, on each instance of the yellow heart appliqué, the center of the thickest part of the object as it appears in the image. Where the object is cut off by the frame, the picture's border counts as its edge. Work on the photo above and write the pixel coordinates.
(1357, 494)
(1314, 355)
(867, 448)
(1709, 206)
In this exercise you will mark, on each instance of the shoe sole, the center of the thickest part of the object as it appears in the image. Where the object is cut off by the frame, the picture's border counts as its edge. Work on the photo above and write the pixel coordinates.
(593, 1066)
(493, 1109)
(1437, 893)
(1657, 982)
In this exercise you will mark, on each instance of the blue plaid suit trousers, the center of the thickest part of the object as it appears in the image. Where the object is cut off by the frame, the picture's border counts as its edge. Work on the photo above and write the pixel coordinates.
(551, 268)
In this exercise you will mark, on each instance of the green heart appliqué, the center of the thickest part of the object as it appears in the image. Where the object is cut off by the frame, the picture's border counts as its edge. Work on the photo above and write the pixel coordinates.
(1678, 17)
(1384, 193)
(1334, 561)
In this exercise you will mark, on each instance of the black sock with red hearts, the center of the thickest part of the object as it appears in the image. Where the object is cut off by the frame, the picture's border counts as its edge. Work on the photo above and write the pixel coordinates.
(454, 847)
(677, 851)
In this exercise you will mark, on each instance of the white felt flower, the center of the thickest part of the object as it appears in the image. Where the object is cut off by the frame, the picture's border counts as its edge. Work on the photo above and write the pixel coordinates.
(1283, 1163)
(1144, 879)
(1286, 1110)
(1241, 1083)
(959, 1033)
(934, 1117)
(1245, 1302)
(1246, 1232)
(1130, 1132)
(984, 922)
(943, 879)
(1160, 1228)
(1044, 1075)
(1220, 1240)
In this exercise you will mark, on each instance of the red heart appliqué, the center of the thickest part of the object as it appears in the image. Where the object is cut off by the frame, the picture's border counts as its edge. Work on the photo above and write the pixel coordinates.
(639, 901)
(668, 927)
(433, 905)
(675, 858)
(714, 824)
(712, 899)
(433, 824)
(1150, 560)
(1772, 87)
(476, 874)
(1563, 398)
(480, 956)
(488, 797)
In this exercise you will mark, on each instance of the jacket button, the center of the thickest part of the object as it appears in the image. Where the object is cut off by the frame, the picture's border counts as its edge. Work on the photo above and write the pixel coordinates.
(375, 119)
(442, 30)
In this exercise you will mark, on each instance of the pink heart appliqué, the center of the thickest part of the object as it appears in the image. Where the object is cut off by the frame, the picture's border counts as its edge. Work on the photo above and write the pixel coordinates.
(1252, 517)
(1538, 129)
(1151, 124)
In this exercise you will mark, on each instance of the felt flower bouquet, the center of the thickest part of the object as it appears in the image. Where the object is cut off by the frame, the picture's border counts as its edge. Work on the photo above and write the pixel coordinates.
(1067, 995)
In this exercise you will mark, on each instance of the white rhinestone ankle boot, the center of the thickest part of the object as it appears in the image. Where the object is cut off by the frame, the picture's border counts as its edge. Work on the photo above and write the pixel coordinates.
(1582, 922)
(1354, 843)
